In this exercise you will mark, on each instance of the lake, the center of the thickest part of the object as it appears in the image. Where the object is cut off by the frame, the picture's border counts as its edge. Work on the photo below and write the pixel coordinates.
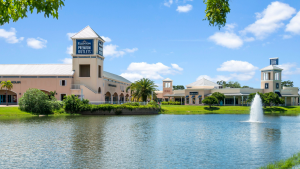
(154, 141)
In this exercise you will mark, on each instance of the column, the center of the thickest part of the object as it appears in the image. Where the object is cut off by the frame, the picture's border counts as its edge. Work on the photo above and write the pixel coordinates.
(111, 99)
(234, 100)
(185, 101)
(285, 102)
(180, 100)
(124, 99)
(242, 100)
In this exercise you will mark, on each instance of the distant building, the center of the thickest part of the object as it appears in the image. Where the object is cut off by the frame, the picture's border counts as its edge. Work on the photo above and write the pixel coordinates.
(85, 77)
(197, 91)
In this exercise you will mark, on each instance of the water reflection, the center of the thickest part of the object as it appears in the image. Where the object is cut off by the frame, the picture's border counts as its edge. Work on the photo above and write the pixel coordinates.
(163, 141)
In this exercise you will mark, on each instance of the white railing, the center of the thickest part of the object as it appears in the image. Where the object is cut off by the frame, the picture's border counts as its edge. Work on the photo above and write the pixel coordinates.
(75, 86)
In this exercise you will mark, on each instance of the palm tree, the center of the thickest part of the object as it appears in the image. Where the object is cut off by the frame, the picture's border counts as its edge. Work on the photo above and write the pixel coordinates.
(8, 85)
(142, 89)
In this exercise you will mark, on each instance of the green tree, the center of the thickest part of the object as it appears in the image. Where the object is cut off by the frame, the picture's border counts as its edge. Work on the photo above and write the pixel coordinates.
(8, 86)
(262, 96)
(37, 102)
(142, 89)
(287, 83)
(245, 87)
(16, 9)
(178, 87)
(222, 83)
(216, 12)
(230, 84)
(271, 98)
(210, 100)
(73, 103)
(219, 96)
(52, 94)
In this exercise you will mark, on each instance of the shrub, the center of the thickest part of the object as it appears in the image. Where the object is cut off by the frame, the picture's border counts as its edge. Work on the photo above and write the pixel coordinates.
(170, 103)
(74, 105)
(37, 102)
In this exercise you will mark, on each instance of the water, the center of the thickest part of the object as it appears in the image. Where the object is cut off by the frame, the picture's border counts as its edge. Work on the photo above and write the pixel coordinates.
(156, 141)
(256, 113)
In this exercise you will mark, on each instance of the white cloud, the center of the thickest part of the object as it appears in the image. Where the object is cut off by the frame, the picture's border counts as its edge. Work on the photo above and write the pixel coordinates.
(231, 26)
(67, 61)
(289, 69)
(106, 39)
(168, 3)
(241, 70)
(237, 66)
(70, 50)
(185, 8)
(111, 50)
(227, 39)
(10, 36)
(294, 25)
(155, 71)
(286, 36)
(69, 35)
(270, 19)
(131, 50)
(37, 43)
(250, 39)
(175, 66)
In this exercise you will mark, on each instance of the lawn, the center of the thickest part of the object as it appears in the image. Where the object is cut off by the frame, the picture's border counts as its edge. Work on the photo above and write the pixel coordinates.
(12, 111)
(190, 109)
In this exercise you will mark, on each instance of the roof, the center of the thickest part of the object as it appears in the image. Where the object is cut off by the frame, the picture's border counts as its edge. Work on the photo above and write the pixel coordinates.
(36, 69)
(167, 79)
(203, 82)
(86, 32)
(271, 67)
(174, 95)
(115, 77)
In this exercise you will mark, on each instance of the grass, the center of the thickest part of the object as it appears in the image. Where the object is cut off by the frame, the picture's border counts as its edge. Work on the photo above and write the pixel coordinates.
(190, 109)
(284, 164)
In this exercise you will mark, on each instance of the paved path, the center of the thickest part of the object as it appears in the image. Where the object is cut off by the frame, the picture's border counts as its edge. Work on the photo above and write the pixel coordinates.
(9, 106)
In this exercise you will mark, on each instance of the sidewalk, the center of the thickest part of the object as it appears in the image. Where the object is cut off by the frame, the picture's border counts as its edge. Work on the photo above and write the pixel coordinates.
(9, 106)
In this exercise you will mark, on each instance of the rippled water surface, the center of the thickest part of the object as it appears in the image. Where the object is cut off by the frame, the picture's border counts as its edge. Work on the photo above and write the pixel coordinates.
(156, 141)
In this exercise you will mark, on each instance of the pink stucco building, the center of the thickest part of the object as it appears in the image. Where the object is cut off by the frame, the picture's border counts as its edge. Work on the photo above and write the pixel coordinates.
(85, 77)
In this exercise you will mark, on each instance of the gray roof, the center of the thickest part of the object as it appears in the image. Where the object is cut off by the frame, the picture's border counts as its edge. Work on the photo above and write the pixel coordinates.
(271, 67)
(86, 32)
(174, 95)
(115, 77)
(36, 70)
(203, 82)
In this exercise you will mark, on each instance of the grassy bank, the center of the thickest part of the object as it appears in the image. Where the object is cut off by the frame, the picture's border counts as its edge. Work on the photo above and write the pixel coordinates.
(189, 109)
(285, 164)
(16, 112)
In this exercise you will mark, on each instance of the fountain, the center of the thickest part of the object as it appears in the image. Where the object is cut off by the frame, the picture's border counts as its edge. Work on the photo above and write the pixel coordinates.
(256, 113)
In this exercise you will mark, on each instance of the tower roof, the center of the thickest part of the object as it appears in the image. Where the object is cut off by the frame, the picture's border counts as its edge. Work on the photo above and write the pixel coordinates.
(167, 79)
(271, 67)
(86, 32)
(203, 82)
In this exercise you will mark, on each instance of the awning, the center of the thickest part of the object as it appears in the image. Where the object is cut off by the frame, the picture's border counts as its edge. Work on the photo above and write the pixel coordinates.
(187, 96)
(278, 94)
(193, 96)
(199, 96)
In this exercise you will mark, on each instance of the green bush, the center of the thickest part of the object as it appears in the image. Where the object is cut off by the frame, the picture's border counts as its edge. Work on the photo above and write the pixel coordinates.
(73, 104)
(170, 103)
(36, 101)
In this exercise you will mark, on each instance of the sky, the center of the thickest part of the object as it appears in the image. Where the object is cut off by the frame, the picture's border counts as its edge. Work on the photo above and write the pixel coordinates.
(161, 39)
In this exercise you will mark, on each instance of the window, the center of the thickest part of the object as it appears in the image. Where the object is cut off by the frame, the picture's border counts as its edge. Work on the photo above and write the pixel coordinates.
(63, 82)
(276, 76)
(99, 71)
(266, 85)
(62, 97)
(167, 85)
(84, 70)
(99, 90)
(277, 85)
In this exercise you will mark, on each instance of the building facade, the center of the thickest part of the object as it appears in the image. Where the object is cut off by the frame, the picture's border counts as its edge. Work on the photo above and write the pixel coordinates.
(197, 91)
(85, 77)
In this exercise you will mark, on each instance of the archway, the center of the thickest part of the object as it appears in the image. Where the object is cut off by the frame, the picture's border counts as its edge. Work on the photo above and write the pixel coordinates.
(127, 97)
(12, 97)
(122, 98)
(107, 97)
(99, 90)
(115, 98)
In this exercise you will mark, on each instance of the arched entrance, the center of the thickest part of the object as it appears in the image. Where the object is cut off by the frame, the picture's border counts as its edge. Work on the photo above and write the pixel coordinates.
(127, 98)
(12, 97)
(107, 97)
(122, 98)
(115, 98)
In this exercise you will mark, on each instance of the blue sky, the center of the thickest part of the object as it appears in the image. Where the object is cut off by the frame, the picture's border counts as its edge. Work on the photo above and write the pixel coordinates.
(166, 38)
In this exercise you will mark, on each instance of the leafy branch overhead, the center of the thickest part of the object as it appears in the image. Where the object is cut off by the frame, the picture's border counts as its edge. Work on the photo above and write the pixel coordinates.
(16, 9)
(216, 12)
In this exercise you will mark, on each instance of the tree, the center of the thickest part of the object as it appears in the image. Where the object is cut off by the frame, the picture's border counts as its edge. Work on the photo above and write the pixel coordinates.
(142, 89)
(245, 87)
(178, 87)
(219, 96)
(222, 83)
(210, 100)
(271, 98)
(8, 86)
(16, 9)
(230, 84)
(287, 83)
(262, 96)
(216, 12)
(37, 102)
(52, 94)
